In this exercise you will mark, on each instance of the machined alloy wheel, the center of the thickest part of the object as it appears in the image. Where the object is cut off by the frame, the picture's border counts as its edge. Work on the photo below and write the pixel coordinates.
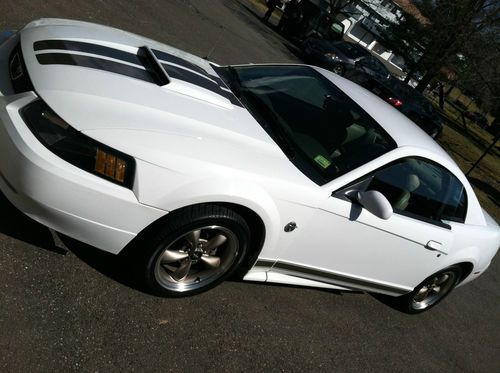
(191, 250)
(431, 291)
(196, 258)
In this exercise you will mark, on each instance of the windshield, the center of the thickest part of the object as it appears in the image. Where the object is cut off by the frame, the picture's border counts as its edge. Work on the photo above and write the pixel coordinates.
(321, 130)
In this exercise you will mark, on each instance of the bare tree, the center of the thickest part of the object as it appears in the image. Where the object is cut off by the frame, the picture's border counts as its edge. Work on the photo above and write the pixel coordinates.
(452, 28)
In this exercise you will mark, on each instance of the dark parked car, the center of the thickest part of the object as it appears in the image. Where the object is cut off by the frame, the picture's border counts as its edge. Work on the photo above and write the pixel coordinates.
(308, 18)
(343, 58)
(405, 98)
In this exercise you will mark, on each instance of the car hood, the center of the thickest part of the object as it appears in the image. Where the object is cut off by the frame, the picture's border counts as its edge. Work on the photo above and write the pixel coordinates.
(91, 76)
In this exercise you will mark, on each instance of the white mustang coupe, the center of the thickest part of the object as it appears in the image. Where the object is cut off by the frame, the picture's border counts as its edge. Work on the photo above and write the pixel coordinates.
(287, 173)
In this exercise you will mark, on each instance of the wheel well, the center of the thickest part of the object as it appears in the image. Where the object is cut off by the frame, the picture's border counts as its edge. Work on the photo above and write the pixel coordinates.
(467, 268)
(255, 223)
(257, 230)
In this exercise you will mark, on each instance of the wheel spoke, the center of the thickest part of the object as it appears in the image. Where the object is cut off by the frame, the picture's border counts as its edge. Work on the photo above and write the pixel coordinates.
(197, 257)
(422, 294)
(181, 273)
(170, 256)
(214, 242)
(194, 237)
(210, 261)
(441, 280)
(433, 283)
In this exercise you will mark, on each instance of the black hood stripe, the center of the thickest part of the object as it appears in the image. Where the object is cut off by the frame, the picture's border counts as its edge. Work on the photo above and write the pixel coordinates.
(79, 46)
(189, 72)
(191, 77)
(204, 76)
(167, 57)
(94, 63)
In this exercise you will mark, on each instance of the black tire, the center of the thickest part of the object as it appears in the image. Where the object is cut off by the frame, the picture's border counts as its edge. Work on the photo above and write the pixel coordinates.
(425, 296)
(170, 264)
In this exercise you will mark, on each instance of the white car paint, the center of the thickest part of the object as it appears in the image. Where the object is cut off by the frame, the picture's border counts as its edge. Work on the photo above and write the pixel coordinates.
(191, 146)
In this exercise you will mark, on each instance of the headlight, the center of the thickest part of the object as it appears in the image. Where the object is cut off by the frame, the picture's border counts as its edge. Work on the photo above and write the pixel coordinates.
(331, 55)
(76, 148)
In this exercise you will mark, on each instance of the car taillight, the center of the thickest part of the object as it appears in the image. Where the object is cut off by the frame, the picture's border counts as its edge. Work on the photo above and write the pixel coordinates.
(395, 102)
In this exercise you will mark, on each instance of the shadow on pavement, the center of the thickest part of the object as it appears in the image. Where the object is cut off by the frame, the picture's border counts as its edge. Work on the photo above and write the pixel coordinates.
(116, 267)
(251, 10)
(291, 286)
(296, 52)
(21, 227)
(388, 301)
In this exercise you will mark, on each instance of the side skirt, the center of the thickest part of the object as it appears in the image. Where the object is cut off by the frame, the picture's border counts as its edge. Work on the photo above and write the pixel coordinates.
(293, 274)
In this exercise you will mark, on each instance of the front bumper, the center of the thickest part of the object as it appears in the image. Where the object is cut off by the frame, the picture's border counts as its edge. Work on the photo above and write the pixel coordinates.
(60, 195)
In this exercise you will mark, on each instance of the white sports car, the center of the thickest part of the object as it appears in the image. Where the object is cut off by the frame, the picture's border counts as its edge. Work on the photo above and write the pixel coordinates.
(288, 173)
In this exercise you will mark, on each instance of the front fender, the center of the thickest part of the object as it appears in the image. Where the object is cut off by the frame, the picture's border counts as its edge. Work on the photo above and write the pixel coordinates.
(170, 190)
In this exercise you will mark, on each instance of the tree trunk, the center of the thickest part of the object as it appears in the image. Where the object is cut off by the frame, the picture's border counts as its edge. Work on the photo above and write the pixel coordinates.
(441, 96)
(426, 79)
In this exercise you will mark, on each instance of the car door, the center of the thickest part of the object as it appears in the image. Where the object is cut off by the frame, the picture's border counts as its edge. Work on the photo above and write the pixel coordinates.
(345, 245)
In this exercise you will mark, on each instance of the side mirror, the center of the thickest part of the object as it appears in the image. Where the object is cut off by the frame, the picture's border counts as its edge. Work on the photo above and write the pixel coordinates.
(375, 202)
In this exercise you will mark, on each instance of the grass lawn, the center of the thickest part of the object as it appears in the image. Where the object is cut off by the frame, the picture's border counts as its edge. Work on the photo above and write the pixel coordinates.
(465, 145)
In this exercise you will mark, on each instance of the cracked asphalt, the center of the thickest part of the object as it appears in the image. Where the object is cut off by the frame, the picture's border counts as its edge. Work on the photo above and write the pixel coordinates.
(65, 306)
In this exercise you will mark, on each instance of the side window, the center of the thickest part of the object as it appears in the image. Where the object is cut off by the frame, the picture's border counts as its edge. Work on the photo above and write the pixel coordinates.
(421, 188)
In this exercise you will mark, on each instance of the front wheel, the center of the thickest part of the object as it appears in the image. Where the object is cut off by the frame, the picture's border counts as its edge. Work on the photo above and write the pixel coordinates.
(431, 291)
(196, 249)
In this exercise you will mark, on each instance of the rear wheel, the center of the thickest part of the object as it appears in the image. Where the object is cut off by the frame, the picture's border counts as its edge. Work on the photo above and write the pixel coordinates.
(196, 250)
(338, 69)
(431, 291)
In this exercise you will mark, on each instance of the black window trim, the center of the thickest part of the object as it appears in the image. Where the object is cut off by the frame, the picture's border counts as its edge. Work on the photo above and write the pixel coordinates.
(362, 181)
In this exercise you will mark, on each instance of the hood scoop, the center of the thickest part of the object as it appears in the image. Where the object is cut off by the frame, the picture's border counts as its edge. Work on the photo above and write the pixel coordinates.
(153, 66)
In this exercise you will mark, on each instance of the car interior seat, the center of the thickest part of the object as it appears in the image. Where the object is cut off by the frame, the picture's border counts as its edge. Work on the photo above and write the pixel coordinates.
(412, 182)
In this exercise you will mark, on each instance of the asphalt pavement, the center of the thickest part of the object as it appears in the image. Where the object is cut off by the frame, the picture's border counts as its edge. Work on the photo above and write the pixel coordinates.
(65, 306)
